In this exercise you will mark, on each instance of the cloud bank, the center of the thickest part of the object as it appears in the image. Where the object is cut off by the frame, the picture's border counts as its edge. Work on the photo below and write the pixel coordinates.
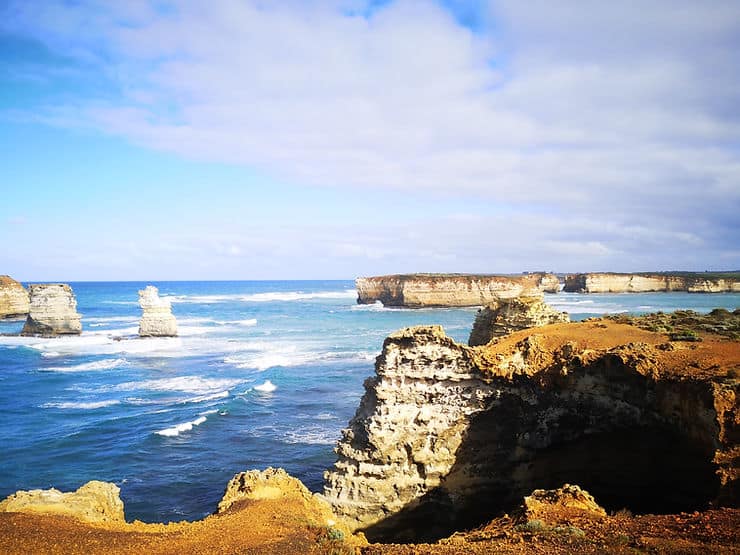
(611, 131)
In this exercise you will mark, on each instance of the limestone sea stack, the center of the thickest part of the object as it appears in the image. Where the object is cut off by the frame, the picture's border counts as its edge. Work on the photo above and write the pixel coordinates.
(52, 311)
(444, 290)
(13, 298)
(691, 282)
(509, 315)
(157, 319)
(447, 435)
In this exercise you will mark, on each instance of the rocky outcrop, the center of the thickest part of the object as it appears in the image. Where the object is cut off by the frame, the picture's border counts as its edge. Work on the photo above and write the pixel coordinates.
(52, 311)
(157, 319)
(716, 282)
(13, 298)
(448, 435)
(569, 497)
(93, 502)
(509, 315)
(442, 290)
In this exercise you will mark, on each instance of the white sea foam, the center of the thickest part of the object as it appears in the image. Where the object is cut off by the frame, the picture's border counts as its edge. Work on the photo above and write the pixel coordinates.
(98, 322)
(108, 364)
(267, 387)
(179, 428)
(187, 384)
(82, 405)
(312, 435)
(205, 398)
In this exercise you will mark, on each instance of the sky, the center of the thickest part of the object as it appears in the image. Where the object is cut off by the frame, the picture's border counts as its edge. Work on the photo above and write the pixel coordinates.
(329, 139)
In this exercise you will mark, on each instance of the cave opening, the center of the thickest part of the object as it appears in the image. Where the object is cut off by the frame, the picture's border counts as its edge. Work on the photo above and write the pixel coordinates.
(644, 469)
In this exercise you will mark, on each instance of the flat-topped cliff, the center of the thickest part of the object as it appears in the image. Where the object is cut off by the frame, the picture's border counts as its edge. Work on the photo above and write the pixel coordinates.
(448, 435)
(52, 311)
(13, 298)
(442, 290)
(693, 282)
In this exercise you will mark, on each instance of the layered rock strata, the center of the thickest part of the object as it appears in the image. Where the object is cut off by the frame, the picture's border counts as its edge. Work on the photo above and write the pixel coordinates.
(510, 315)
(52, 311)
(93, 502)
(13, 298)
(442, 290)
(645, 283)
(448, 435)
(156, 319)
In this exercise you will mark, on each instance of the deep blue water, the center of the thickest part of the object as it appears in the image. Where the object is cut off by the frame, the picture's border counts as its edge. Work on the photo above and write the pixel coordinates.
(172, 420)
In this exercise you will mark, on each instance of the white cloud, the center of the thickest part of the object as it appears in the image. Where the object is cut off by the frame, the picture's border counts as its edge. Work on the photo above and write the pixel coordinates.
(624, 113)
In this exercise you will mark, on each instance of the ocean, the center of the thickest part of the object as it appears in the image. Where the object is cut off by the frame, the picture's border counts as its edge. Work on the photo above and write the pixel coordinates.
(263, 373)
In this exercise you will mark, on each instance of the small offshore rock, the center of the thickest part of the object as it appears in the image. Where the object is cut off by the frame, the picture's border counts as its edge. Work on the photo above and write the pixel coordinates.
(52, 311)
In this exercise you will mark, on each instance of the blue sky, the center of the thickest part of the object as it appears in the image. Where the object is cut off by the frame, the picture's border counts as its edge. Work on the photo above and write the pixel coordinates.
(238, 139)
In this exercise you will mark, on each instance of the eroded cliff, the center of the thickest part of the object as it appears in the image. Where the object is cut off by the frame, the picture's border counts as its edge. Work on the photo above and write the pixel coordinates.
(13, 298)
(510, 315)
(447, 435)
(440, 290)
(716, 282)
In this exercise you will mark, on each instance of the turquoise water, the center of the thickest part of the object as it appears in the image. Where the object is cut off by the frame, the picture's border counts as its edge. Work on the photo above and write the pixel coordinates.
(171, 420)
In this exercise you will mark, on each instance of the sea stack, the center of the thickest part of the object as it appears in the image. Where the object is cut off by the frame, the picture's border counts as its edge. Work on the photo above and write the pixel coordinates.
(52, 311)
(157, 319)
(509, 315)
(13, 298)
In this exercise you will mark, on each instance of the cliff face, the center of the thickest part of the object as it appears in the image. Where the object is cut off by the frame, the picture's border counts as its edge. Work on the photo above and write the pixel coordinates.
(156, 319)
(52, 311)
(510, 315)
(13, 298)
(447, 435)
(421, 290)
(93, 502)
(644, 283)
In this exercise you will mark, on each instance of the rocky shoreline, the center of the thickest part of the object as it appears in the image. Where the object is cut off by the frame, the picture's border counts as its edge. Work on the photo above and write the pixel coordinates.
(454, 444)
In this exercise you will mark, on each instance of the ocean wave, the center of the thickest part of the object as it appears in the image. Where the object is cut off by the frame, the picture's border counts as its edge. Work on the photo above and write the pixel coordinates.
(312, 435)
(98, 322)
(288, 356)
(205, 398)
(266, 387)
(187, 384)
(89, 366)
(82, 405)
(179, 428)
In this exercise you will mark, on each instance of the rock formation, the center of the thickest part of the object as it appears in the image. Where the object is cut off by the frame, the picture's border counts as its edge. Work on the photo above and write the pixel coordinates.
(93, 502)
(448, 435)
(508, 315)
(13, 298)
(157, 319)
(568, 497)
(441, 290)
(716, 282)
(52, 311)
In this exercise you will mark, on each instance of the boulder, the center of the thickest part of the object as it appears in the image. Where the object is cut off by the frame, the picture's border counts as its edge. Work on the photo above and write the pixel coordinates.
(52, 311)
(157, 319)
(93, 502)
(13, 298)
(509, 315)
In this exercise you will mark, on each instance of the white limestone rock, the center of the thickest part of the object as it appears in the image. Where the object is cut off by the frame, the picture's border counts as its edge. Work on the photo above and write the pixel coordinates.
(52, 311)
(157, 319)
(13, 298)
